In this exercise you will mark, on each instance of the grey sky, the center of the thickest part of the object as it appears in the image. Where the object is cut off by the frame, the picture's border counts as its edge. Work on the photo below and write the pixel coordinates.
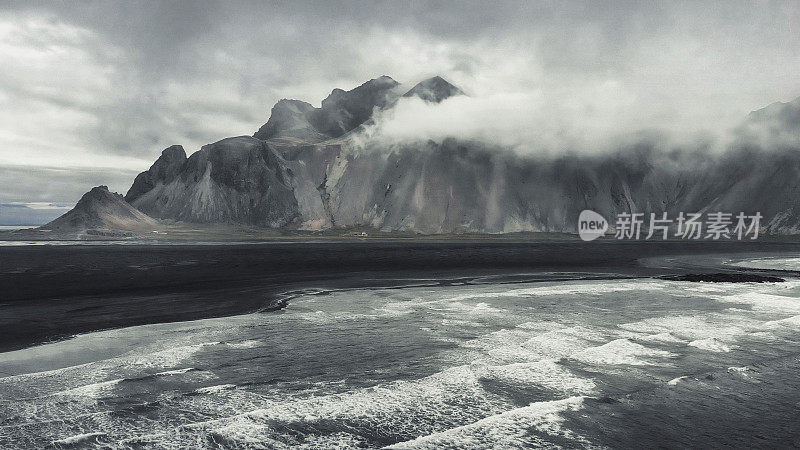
(103, 87)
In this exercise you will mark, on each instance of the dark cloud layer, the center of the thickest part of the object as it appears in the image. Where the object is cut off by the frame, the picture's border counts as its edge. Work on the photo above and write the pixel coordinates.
(96, 84)
(61, 187)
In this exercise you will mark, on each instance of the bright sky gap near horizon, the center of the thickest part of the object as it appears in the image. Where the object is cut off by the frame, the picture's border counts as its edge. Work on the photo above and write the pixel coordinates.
(91, 92)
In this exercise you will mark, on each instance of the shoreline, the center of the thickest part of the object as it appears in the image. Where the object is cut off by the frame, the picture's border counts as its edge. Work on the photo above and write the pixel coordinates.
(195, 234)
(53, 292)
(280, 300)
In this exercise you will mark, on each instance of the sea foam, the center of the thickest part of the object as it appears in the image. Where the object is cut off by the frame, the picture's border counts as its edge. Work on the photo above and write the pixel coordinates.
(620, 351)
(510, 429)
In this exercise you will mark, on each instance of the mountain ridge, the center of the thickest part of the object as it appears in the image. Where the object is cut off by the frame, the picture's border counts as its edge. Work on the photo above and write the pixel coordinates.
(303, 170)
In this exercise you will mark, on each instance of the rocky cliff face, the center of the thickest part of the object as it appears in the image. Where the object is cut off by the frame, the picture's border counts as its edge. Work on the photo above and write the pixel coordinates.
(466, 187)
(343, 111)
(289, 120)
(163, 171)
(304, 169)
(235, 180)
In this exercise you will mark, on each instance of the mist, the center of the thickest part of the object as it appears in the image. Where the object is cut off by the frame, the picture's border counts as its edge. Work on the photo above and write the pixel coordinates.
(602, 120)
(530, 124)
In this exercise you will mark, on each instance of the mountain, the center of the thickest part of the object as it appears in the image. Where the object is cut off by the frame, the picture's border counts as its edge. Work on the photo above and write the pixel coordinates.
(163, 171)
(777, 124)
(434, 90)
(289, 120)
(778, 114)
(344, 110)
(236, 180)
(21, 214)
(341, 112)
(317, 168)
(296, 122)
(101, 210)
(277, 177)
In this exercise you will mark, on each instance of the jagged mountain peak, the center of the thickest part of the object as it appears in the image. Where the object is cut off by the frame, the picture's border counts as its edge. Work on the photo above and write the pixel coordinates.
(787, 113)
(233, 148)
(164, 170)
(292, 103)
(775, 125)
(434, 89)
(294, 120)
(288, 120)
(375, 85)
(290, 106)
(235, 180)
(174, 151)
(455, 186)
(381, 81)
(97, 193)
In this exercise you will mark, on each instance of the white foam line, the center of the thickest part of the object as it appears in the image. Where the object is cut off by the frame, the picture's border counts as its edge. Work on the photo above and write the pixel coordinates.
(536, 291)
(619, 352)
(675, 381)
(245, 344)
(12, 379)
(395, 397)
(677, 329)
(175, 372)
(78, 438)
(504, 430)
(60, 421)
(165, 357)
(711, 345)
(433, 396)
(792, 322)
(770, 263)
(90, 390)
(665, 337)
(568, 289)
(739, 370)
(763, 302)
(214, 389)
(546, 373)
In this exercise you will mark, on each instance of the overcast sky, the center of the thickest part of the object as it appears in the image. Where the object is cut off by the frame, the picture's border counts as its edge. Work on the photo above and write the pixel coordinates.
(100, 88)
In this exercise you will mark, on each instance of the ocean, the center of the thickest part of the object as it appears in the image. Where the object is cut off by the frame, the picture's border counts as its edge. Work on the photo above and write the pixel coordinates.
(16, 227)
(474, 363)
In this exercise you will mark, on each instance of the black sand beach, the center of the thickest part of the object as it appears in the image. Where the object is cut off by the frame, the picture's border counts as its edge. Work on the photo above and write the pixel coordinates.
(53, 291)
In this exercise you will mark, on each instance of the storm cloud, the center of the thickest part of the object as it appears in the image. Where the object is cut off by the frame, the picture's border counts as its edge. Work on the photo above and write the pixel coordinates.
(93, 85)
